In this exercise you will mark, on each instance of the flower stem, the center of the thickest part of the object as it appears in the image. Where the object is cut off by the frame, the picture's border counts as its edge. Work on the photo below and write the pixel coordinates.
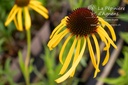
(27, 78)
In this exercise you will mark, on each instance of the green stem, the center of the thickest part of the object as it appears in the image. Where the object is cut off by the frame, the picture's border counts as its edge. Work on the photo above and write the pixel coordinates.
(27, 60)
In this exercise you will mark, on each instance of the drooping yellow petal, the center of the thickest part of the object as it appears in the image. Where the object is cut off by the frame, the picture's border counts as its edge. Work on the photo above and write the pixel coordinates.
(12, 14)
(63, 48)
(106, 48)
(38, 10)
(59, 27)
(35, 1)
(57, 30)
(67, 74)
(54, 41)
(97, 52)
(68, 58)
(76, 55)
(19, 20)
(12, 11)
(104, 33)
(77, 50)
(92, 56)
(106, 58)
(27, 18)
(39, 6)
(16, 24)
(109, 27)
(102, 24)
(105, 41)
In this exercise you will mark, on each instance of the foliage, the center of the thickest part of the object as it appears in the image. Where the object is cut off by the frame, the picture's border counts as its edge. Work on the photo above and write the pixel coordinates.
(123, 78)
(49, 57)
(105, 8)
(74, 4)
(22, 64)
(124, 36)
(123, 17)
(123, 63)
(5, 32)
(6, 74)
(52, 70)
(101, 8)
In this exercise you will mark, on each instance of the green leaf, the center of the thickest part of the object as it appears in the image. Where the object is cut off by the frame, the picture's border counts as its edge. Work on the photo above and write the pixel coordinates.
(2, 40)
(7, 65)
(125, 62)
(104, 2)
(38, 74)
(120, 62)
(113, 81)
(31, 65)
(86, 3)
(21, 62)
(123, 17)
(83, 61)
(38, 83)
(113, 3)
(124, 36)
(122, 79)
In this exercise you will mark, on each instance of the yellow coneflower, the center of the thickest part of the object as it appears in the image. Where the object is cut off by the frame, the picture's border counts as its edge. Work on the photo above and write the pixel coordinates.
(81, 25)
(23, 6)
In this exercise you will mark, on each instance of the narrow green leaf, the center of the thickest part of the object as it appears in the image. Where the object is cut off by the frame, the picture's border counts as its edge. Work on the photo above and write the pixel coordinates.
(123, 17)
(124, 36)
(21, 62)
(31, 65)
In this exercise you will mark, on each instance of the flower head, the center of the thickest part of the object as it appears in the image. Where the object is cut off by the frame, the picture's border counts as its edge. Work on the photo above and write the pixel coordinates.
(81, 25)
(23, 6)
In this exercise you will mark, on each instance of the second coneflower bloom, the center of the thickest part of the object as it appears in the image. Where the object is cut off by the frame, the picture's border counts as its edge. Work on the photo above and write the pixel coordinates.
(20, 13)
(81, 25)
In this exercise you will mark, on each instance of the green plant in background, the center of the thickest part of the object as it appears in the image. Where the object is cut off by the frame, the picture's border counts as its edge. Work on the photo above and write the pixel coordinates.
(108, 5)
(124, 17)
(123, 71)
(123, 63)
(55, 4)
(21, 17)
(101, 8)
(52, 69)
(23, 7)
(124, 36)
(74, 4)
(5, 32)
(6, 74)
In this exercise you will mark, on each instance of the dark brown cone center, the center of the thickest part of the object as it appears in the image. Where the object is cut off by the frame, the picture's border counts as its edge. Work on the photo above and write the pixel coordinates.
(22, 3)
(82, 21)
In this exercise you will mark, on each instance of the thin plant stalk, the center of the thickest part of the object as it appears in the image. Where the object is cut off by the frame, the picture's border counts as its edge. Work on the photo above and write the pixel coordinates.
(27, 77)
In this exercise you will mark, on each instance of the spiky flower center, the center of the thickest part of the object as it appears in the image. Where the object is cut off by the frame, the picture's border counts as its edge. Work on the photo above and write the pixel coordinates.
(82, 21)
(22, 3)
